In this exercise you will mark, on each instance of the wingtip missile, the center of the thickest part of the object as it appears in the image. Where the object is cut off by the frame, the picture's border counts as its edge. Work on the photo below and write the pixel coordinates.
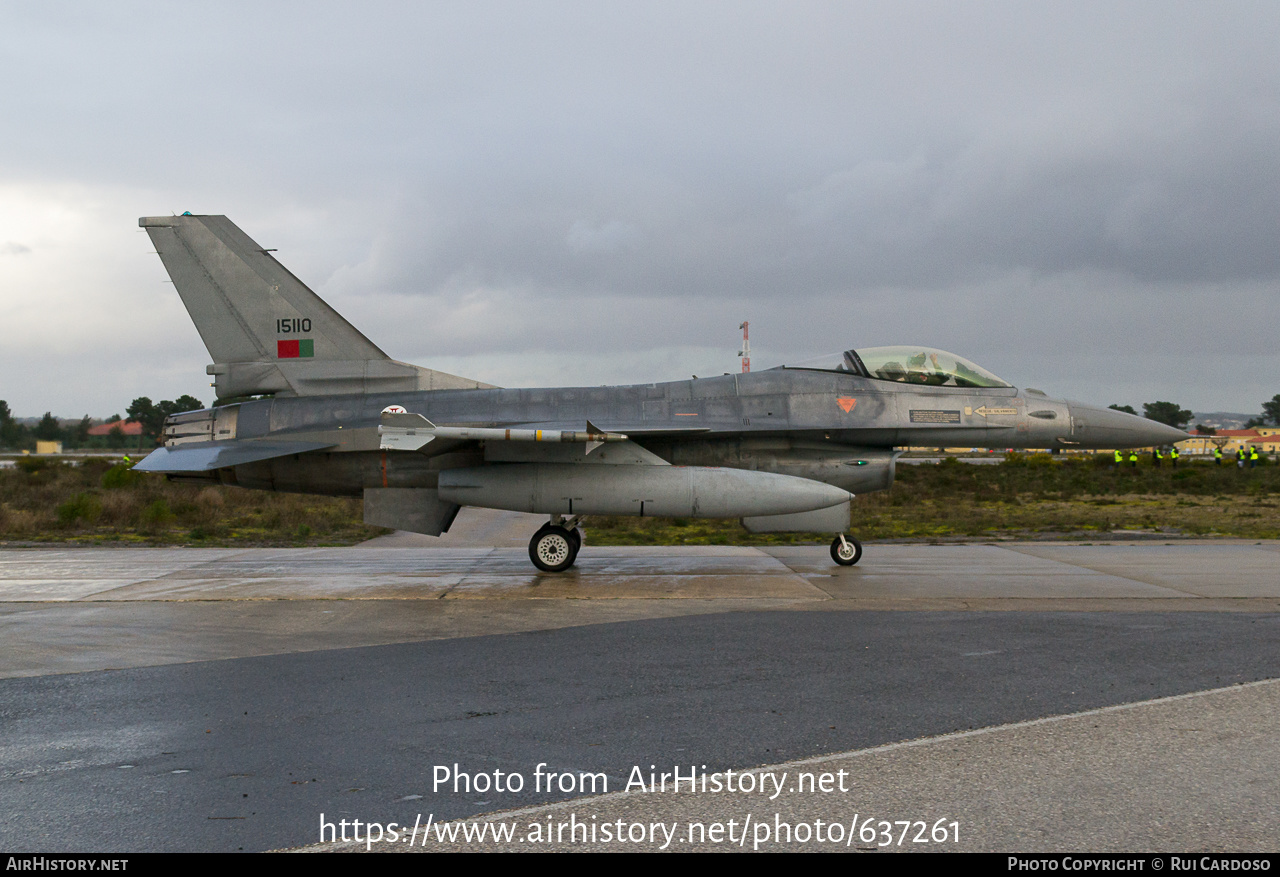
(402, 431)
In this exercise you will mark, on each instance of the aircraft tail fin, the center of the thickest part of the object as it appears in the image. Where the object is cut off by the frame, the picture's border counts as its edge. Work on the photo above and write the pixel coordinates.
(265, 330)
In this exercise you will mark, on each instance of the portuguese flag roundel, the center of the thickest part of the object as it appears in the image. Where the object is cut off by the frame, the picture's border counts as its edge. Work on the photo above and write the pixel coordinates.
(296, 348)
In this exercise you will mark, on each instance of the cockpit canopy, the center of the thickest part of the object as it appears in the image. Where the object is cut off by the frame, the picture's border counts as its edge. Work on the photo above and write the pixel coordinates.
(909, 365)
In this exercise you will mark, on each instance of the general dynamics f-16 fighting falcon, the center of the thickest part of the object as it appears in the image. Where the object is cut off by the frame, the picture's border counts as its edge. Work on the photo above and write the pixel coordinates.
(785, 449)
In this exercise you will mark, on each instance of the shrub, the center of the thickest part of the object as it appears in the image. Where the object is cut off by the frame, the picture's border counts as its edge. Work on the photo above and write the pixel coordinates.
(81, 507)
(156, 514)
(120, 475)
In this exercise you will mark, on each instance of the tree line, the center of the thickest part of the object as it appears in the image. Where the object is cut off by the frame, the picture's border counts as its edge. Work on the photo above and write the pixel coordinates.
(1170, 414)
(18, 436)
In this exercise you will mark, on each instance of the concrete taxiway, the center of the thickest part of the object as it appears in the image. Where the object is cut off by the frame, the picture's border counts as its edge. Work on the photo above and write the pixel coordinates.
(1191, 772)
(225, 698)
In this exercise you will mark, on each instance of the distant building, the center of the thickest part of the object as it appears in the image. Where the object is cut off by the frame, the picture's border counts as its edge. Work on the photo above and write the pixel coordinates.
(127, 427)
(1266, 438)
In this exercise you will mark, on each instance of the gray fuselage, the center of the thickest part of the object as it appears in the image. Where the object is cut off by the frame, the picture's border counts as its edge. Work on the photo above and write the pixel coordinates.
(828, 426)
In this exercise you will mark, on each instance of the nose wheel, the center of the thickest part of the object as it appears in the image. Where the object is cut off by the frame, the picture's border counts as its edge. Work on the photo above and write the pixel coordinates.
(846, 550)
(554, 548)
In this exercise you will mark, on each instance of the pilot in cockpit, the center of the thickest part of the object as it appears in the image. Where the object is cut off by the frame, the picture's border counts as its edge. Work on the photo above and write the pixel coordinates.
(923, 368)
(913, 365)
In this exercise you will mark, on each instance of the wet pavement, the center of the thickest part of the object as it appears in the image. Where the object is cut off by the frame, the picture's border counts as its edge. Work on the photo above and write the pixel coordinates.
(225, 698)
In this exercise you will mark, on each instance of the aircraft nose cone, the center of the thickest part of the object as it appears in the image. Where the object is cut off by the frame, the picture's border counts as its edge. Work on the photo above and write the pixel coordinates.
(1107, 428)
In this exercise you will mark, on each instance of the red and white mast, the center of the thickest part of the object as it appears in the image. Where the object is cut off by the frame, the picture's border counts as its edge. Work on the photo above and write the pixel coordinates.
(745, 352)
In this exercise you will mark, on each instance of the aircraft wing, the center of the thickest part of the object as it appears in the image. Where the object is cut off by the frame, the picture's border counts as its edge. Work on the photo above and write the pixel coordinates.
(665, 431)
(207, 456)
(629, 428)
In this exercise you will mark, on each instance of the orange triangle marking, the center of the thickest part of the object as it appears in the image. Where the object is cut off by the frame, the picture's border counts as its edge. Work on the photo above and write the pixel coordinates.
(846, 403)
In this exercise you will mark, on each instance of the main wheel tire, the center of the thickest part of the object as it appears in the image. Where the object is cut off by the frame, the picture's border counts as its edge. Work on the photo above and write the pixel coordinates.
(846, 552)
(553, 549)
(576, 535)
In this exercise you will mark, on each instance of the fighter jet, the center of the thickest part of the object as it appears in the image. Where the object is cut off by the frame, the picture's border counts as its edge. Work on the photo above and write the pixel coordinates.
(783, 449)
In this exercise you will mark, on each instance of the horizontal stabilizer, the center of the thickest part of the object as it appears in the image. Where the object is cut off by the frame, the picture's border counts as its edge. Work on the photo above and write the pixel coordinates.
(207, 456)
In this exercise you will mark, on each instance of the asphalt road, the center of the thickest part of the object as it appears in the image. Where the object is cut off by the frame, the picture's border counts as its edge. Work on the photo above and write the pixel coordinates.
(225, 701)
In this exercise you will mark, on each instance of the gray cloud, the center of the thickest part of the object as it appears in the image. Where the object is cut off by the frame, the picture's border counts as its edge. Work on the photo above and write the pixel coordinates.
(619, 187)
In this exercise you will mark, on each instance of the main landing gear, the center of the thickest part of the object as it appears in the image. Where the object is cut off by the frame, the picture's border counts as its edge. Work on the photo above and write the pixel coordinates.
(845, 550)
(555, 546)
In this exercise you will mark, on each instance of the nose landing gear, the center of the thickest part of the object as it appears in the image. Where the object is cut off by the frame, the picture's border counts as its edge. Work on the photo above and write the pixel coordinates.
(555, 546)
(846, 550)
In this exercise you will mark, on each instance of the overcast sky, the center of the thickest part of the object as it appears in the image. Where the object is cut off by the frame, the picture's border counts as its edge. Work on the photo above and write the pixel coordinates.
(1080, 197)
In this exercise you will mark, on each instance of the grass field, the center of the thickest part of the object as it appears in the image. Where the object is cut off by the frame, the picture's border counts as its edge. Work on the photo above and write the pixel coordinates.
(95, 502)
(1025, 497)
(1038, 496)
